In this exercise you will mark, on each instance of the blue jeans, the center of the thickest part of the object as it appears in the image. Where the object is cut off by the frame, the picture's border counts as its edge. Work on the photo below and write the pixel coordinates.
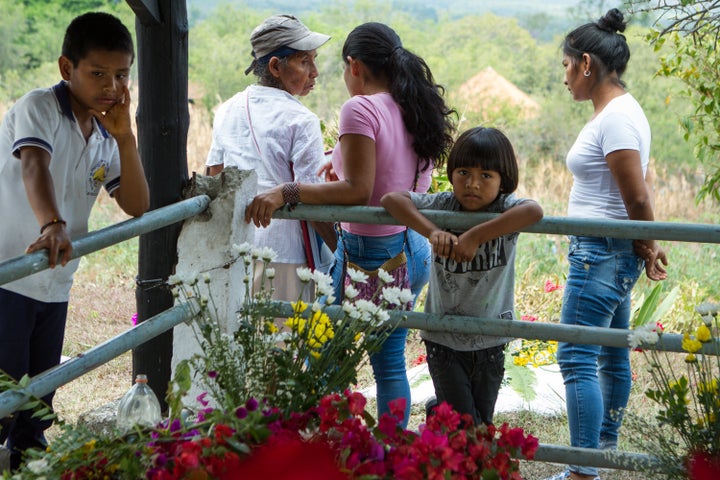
(369, 253)
(597, 379)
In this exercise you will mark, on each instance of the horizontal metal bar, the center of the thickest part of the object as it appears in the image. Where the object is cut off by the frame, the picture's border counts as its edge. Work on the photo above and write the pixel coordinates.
(24, 265)
(595, 458)
(51, 380)
(681, 232)
(610, 337)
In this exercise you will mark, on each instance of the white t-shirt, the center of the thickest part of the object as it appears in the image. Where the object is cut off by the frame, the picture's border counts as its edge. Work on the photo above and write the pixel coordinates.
(43, 118)
(287, 140)
(621, 125)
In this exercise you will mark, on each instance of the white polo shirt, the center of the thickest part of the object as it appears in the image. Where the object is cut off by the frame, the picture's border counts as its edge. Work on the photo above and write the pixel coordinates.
(287, 146)
(44, 118)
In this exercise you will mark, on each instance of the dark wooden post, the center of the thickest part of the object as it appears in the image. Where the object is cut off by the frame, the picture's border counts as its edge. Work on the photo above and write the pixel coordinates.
(163, 120)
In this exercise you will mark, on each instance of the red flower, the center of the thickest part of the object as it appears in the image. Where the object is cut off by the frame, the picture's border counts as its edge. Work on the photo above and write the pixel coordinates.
(702, 466)
(289, 460)
(419, 360)
(551, 287)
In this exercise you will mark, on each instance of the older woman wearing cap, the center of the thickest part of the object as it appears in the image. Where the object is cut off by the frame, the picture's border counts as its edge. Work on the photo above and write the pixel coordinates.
(266, 129)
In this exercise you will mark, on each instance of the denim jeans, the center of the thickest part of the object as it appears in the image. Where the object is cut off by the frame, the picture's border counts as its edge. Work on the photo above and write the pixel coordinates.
(369, 253)
(468, 381)
(597, 379)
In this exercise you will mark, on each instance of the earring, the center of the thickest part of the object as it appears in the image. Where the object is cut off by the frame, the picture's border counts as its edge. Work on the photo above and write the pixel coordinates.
(587, 73)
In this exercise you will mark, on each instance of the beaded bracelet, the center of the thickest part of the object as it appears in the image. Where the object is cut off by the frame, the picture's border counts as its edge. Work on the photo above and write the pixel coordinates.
(52, 222)
(291, 193)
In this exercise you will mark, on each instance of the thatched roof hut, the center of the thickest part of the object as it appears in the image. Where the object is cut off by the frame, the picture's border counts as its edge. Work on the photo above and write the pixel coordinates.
(488, 93)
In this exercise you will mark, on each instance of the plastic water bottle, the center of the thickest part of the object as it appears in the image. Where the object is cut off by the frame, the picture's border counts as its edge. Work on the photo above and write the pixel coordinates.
(139, 406)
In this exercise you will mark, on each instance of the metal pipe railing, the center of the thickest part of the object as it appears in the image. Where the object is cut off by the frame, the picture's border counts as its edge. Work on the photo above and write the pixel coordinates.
(24, 265)
(50, 380)
(609, 337)
(639, 230)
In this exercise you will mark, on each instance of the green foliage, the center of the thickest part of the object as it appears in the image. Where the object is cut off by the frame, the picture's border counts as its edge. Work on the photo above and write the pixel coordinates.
(687, 399)
(651, 310)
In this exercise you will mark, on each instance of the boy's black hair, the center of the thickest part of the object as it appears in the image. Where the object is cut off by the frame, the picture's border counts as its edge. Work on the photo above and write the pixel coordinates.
(96, 31)
(489, 149)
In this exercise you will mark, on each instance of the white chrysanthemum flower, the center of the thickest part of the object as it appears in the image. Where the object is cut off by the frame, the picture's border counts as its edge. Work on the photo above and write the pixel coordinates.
(256, 253)
(37, 466)
(382, 315)
(367, 309)
(330, 299)
(316, 306)
(206, 277)
(270, 272)
(351, 292)
(357, 276)
(268, 254)
(406, 296)
(192, 280)
(246, 279)
(644, 334)
(321, 277)
(391, 295)
(174, 280)
(242, 249)
(324, 289)
(385, 276)
(304, 274)
(348, 307)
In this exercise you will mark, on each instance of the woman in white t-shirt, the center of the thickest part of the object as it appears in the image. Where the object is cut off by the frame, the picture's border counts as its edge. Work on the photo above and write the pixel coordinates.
(609, 162)
(392, 132)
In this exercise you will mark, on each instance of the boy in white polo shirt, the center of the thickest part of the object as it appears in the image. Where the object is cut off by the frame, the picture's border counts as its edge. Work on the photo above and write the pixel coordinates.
(58, 147)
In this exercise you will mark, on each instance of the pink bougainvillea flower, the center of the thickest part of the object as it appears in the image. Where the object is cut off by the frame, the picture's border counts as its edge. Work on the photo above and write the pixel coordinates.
(419, 360)
(134, 318)
(551, 287)
(397, 407)
(529, 318)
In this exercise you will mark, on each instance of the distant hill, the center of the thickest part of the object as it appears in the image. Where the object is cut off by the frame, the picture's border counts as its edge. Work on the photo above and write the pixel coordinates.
(553, 15)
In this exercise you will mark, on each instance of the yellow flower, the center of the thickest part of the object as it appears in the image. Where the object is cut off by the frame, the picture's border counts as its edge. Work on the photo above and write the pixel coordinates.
(710, 387)
(703, 333)
(690, 358)
(296, 324)
(315, 354)
(299, 306)
(690, 345)
(271, 327)
(89, 446)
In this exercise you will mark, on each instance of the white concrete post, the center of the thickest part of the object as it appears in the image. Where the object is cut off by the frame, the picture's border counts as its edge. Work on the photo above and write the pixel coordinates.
(205, 246)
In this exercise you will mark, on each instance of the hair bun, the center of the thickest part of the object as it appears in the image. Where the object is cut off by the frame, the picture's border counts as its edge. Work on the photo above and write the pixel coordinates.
(612, 21)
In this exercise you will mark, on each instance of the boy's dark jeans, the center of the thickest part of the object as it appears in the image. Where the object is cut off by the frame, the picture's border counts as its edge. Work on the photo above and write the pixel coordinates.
(468, 381)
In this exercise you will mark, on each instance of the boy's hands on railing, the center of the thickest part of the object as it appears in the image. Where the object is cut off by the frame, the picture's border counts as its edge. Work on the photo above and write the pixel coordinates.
(443, 243)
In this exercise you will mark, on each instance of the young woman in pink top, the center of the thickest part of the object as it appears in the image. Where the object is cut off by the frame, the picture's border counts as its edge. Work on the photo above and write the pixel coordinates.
(393, 131)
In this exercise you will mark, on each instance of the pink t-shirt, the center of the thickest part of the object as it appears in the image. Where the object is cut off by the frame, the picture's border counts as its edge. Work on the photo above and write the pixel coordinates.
(379, 117)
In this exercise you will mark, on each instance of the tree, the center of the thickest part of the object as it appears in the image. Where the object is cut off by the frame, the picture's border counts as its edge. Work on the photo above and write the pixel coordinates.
(691, 29)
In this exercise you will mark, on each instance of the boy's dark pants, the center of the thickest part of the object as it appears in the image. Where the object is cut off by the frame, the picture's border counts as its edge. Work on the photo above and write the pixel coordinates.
(468, 381)
(31, 339)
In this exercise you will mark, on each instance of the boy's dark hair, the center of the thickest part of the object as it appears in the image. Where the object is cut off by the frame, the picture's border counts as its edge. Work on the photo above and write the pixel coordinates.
(603, 41)
(489, 149)
(96, 31)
